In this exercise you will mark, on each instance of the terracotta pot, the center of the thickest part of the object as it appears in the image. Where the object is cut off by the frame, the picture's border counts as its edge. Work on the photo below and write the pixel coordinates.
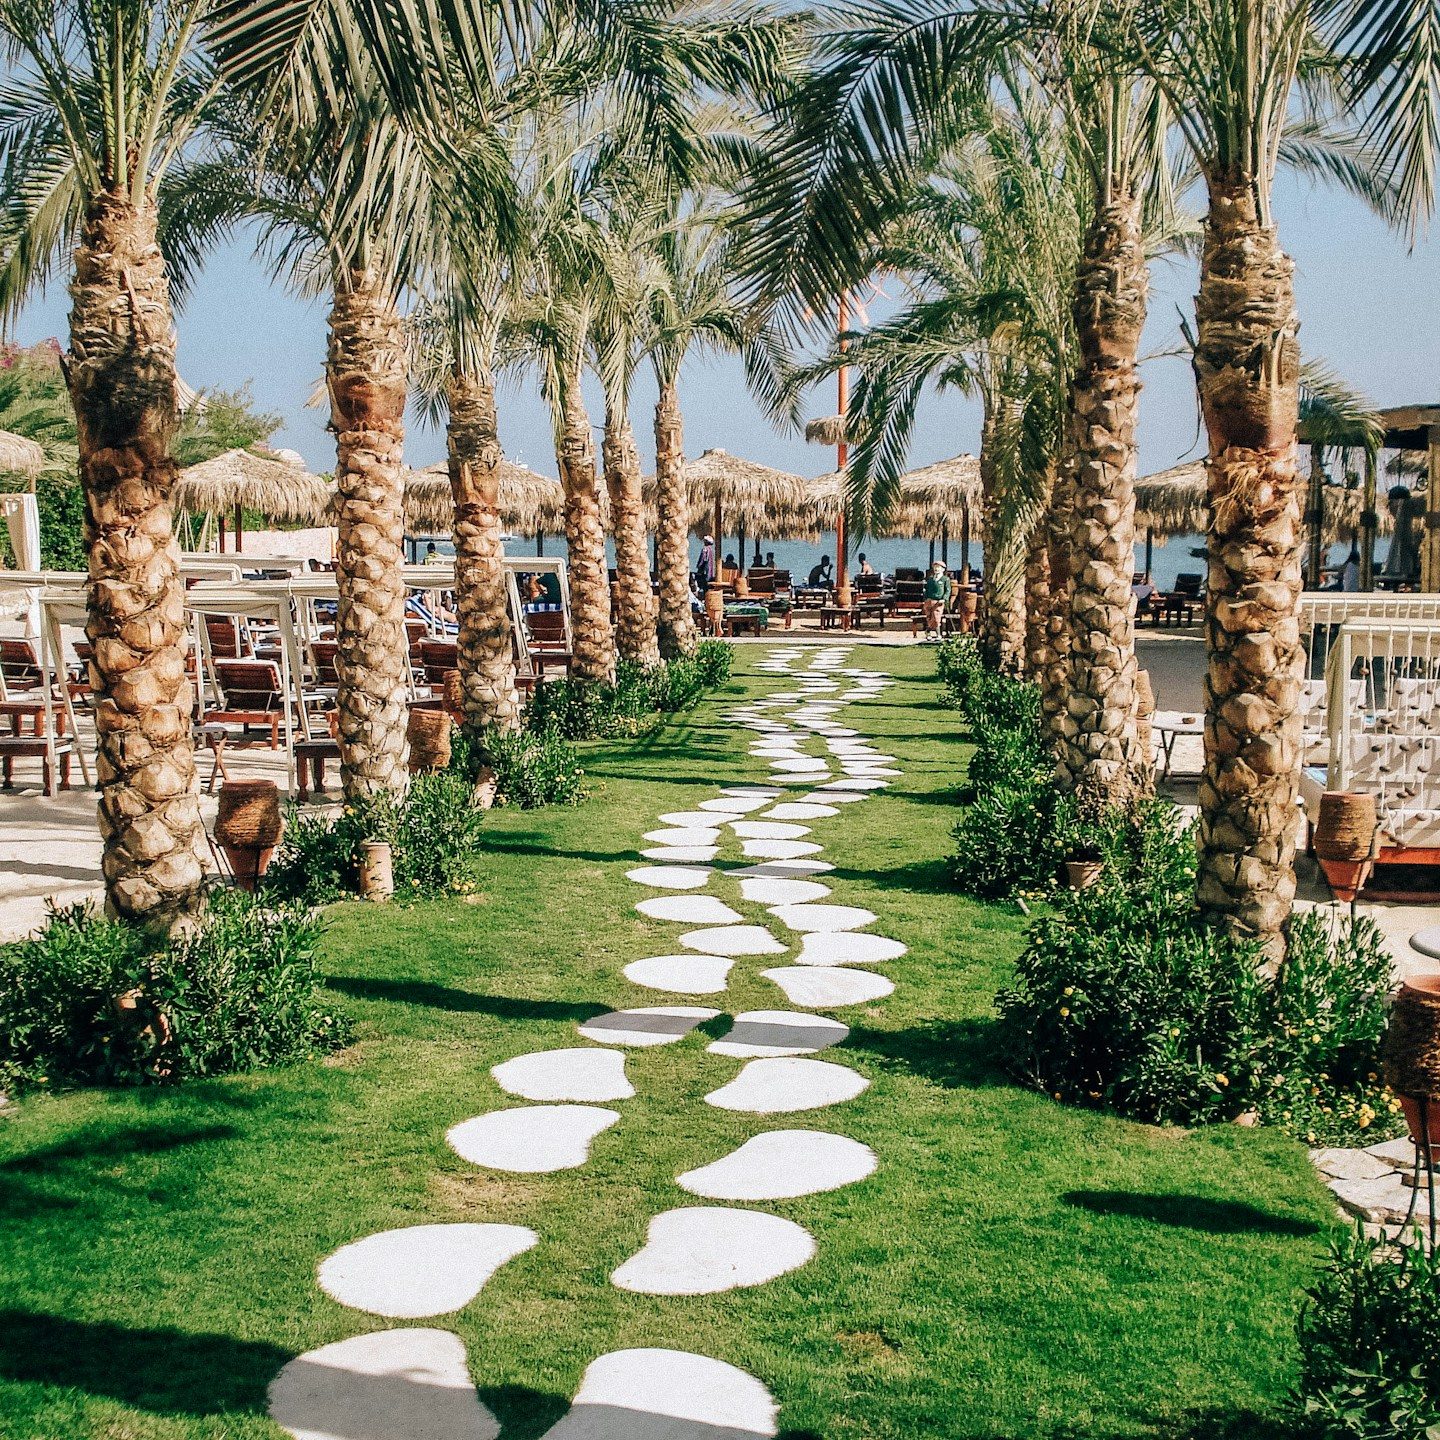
(1346, 878)
(1411, 1052)
(1410, 1108)
(969, 607)
(1346, 827)
(249, 815)
(248, 862)
(377, 875)
(1082, 874)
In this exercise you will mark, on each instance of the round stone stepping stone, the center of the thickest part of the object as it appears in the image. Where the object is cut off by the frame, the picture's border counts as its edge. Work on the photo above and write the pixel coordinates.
(863, 770)
(698, 819)
(762, 792)
(685, 835)
(681, 974)
(782, 1165)
(800, 810)
(832, 797)
(800, 866)
(801, 765)
(689, 909)
(651, 1025)
(825, 987)
(822, 918)
(768, 830)
(1427, 941)
(845, 947)
(681, 852)
(735, 804)
(531, 1139)
(420, 1270)
(858, 782)
(764, 891)
(666, 1395)
(733, 940)
(787, 1084)
(778, 1032)
(704, 1249)
(779, 849)
(669, 877)
(411, 1383)
(575, 1074)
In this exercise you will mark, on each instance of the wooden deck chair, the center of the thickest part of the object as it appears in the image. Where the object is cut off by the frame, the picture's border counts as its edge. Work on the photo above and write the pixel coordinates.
(251, 696)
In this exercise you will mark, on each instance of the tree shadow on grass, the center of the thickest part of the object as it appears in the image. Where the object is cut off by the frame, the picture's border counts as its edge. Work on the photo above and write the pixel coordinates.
(955, 1054)
(163, 1371)
(1190, 1212)
(444, 997)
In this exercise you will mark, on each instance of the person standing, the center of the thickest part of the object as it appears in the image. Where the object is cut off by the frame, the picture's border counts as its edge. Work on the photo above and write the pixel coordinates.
(705, 566)
(938, 590)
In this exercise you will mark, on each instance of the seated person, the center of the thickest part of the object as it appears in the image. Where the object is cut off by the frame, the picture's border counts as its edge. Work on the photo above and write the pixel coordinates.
(1145, 593)
(821, 574)
(864, 567)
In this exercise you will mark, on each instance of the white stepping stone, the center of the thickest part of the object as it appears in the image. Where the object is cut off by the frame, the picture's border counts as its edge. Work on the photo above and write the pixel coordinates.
(705, 1249)
(782, 868)
(778, 1032)
(669, 877)
(658, 1394)
(733, 940)
(531, 1139)
(761, 890)
(576, 1074)
(685, 835)
(420, 1270)
(681, 852)
(800, 810)
(779, 849)
(832, 797)
(768, 830)
(782, 1165)
(762, 792)
(847, 948)
(734, 804)
(787, 1084)
(858, 782)
(689, 909)
(409, 1384)
(651, 1025)
(681, 974)
(801, 765)
(698, 819)
(871, 770)
(826, 987)
(822, 918)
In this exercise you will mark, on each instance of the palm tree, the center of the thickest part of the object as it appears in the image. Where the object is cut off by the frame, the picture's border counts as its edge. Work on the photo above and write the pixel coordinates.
(103, 99)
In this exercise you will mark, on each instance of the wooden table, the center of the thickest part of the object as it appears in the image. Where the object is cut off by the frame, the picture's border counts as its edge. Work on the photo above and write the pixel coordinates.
(837, 616)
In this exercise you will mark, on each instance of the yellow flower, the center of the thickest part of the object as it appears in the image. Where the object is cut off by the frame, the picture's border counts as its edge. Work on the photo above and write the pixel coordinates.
(1222, 1079)
(1069, 990)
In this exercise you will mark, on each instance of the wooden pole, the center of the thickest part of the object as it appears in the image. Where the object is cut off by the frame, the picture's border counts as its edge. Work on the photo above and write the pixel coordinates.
(1315, 519)
(965, 545)
(239, 528)
(740, 551)
(1149, 551)
(719, 538)
(539, 542)
(1369, 521)
(842, 459)
(1430, 538)
(944, 544)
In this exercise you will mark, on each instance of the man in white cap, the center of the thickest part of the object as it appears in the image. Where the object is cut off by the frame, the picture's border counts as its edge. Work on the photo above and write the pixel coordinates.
(938, 589)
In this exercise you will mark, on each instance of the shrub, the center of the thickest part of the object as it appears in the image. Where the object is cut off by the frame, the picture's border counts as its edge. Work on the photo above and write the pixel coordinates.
(1006, 841)
(435, 832)
(1123, 999)
(533, 770)
(674, 686)
(89, 1001)
(576, 710)
(715, 659)
(1370, 1345)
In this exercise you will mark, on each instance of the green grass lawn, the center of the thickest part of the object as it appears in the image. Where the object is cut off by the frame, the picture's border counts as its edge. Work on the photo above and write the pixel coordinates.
(1013, 1269)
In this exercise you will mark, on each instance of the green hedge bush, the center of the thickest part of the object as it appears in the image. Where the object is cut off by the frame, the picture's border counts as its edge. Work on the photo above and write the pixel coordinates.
(90, 1001)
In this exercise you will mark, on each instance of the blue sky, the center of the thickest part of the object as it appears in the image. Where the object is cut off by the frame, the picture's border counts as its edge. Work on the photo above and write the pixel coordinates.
(1368, 306)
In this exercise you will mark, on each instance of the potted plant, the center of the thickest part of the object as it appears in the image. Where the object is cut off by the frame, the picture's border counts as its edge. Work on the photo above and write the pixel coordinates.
(1079, 825)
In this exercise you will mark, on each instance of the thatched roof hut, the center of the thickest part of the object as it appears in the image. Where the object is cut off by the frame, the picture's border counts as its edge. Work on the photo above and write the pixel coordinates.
(826, 430)
(276, 488)
(932, 500)
(530, 503)
(19, 456)
(751, 497)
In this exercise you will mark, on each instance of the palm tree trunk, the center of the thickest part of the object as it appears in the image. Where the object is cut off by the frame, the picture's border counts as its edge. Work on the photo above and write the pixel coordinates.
(1003, 631)
(635, 597)
(677, 623)
(485, 647)
(594, 657)
(1110, 297)
(121, 373)
(366, 375)
(1039, 594)
(1054, 662)
(1247, 367)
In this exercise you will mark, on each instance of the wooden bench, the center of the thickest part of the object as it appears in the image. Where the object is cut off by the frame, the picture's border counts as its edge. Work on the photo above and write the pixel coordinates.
(834, 617)
(37, 747)
(310, 759)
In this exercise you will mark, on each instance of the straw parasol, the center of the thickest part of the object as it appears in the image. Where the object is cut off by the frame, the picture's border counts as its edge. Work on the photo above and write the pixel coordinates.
(752, 499)
(19, 456)
(249, 480)
(932, 501)
(530, 503)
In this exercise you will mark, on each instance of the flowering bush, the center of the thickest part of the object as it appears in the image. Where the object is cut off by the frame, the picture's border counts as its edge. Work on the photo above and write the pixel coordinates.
(534, 770)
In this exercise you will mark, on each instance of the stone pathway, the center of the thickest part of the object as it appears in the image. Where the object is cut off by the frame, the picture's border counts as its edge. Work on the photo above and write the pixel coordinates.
(413, 1383)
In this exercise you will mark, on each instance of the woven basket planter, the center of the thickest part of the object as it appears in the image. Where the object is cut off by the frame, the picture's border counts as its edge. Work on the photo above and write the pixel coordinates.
(1346, 827)
(429, 734)
(1411, 1053)
(249, 813)
(454, 692)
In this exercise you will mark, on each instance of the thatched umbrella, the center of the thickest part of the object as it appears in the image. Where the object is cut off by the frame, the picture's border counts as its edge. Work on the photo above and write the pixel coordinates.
(241, 480)
(530, 503)
(755, 498)
(19, 456)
